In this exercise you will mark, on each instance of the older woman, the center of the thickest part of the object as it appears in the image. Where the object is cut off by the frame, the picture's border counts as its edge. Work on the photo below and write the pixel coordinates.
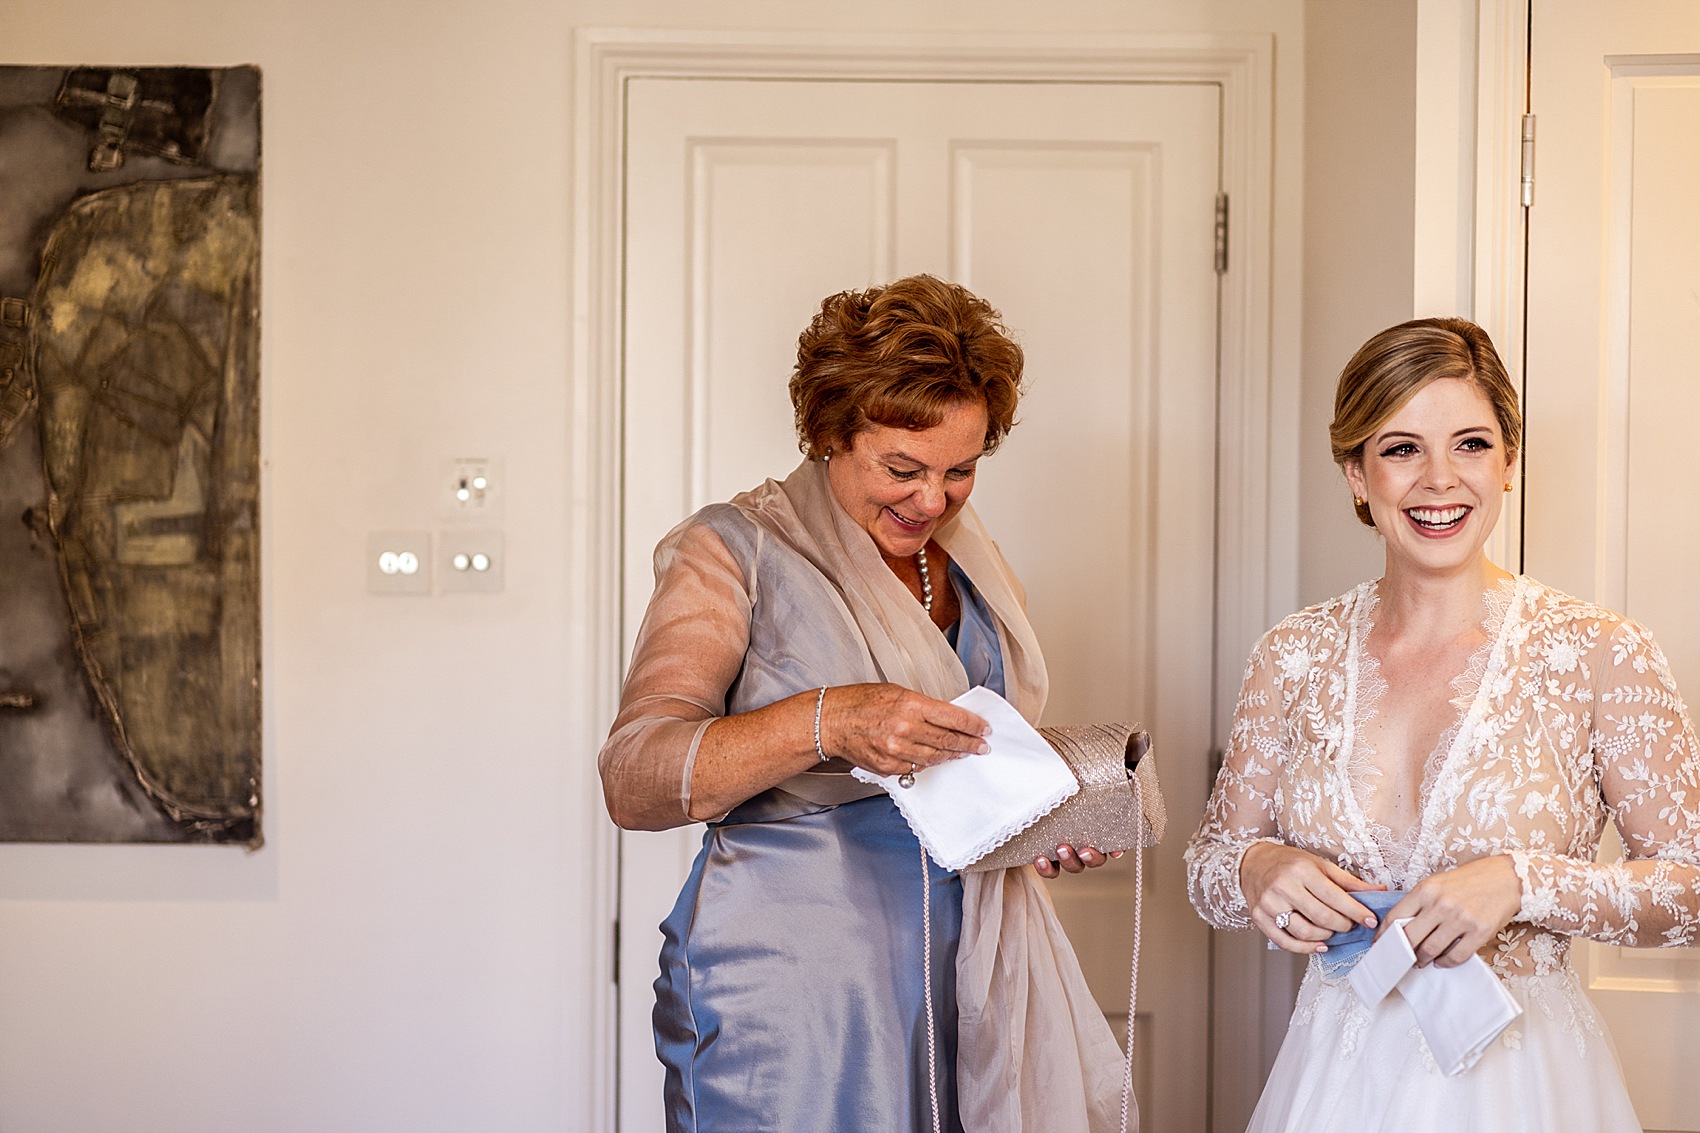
(817, 624)
(1463, 734)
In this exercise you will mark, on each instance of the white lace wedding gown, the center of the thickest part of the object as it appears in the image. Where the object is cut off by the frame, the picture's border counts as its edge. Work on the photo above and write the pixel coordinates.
(1567, 717)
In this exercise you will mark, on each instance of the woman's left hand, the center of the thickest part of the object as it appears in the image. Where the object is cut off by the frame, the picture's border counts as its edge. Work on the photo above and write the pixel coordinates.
(1072, 861)
(1456, 912)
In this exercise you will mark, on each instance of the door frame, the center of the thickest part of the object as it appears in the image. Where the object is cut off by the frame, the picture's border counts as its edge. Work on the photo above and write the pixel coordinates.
(1468, 255)
(1496, 218)
(1250, 585)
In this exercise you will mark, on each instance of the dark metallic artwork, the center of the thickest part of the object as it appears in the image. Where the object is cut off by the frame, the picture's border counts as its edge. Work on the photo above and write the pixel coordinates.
(129, 454)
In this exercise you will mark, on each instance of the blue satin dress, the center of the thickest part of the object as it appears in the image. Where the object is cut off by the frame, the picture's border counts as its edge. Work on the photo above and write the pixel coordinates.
(791, 998)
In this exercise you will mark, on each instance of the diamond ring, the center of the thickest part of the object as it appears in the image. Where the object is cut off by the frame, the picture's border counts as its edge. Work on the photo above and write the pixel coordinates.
(1281, 919)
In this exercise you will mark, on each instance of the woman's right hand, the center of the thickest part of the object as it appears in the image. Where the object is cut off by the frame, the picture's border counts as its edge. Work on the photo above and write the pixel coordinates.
(1310, 896)
(889, 729)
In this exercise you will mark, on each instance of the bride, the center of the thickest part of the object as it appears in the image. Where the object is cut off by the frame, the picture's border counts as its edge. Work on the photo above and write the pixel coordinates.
(1463, 734)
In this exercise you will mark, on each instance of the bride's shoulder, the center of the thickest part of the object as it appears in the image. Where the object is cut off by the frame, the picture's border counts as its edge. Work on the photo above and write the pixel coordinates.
(1549, 608)
(1323, 626)
(1563, 626)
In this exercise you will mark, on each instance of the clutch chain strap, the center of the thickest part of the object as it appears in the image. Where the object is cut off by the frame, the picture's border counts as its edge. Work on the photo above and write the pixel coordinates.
(927, 983)
(1133, 965)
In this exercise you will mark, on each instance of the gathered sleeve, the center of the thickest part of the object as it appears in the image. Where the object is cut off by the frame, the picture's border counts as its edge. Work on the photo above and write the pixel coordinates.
(1647, 768)
(687, 655)
(1241, 810)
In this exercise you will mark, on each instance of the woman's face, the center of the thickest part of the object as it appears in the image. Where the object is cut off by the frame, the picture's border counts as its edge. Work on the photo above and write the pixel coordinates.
(1434, 477)
(901, 485)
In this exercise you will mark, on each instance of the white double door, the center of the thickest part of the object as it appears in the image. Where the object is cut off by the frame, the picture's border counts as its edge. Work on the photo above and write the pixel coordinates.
(1613, 468)
(1085, 213)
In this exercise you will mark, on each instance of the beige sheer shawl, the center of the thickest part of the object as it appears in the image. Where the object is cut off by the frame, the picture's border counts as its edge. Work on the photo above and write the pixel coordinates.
(1033, 1050)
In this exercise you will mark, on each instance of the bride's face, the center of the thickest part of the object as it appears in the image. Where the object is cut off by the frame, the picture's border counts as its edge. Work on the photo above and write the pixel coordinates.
(902, 485)
(1434, 476)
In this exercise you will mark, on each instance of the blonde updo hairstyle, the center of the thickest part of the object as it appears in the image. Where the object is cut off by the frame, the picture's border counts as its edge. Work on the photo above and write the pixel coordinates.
(902, 355)
(1389, 370)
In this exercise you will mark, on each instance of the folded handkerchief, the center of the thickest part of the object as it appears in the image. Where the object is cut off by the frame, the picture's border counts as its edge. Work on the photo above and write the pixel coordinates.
(964, 809)
(1459, 1010)
(1379, 970)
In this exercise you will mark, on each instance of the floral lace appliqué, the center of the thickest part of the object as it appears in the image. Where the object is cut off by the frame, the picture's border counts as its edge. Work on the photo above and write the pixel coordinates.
(1403, 850)
(1568, 721)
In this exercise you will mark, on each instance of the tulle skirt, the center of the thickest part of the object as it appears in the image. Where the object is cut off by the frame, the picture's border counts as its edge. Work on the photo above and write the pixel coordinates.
(1354, 1069)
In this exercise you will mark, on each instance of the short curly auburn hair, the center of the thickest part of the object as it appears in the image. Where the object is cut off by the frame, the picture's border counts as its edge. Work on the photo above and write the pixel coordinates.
(901, 356)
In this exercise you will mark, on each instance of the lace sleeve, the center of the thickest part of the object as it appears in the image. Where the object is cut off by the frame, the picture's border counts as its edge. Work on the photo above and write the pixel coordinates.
(1648, 770)
(687, 655)
(1241, 810)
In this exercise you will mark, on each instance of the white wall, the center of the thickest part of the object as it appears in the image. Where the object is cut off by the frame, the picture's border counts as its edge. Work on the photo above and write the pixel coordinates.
(412, 948)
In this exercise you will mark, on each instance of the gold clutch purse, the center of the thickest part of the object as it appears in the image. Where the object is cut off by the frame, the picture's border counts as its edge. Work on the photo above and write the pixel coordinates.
(1104, 813)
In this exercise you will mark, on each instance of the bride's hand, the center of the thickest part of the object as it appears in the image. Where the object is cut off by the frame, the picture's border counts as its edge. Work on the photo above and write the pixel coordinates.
(1299, 900)
(1453, 914)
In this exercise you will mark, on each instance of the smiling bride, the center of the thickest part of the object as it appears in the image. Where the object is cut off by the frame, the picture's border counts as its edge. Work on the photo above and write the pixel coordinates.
(1445, 744)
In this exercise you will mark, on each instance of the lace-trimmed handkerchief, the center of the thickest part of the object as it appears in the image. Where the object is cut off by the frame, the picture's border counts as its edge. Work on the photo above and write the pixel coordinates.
(963, 809)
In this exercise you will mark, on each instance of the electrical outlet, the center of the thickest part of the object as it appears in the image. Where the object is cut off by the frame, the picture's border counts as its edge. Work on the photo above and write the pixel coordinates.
(398, 562)
(473, 489)
(470, 561)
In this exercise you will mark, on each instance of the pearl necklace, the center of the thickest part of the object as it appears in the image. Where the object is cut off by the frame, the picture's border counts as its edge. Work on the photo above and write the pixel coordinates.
(926, 581)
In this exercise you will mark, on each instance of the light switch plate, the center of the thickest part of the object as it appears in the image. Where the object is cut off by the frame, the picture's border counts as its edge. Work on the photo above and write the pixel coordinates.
(470, 562)
(472, 489)
(398, 562)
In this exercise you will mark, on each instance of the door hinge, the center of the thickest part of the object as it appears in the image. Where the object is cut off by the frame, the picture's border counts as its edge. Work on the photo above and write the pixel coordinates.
(1526, 168)
(1221, 233)
(616, 952)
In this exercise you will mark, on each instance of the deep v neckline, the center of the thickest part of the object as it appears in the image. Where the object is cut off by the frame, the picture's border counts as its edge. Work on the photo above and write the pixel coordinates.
(1441, 775)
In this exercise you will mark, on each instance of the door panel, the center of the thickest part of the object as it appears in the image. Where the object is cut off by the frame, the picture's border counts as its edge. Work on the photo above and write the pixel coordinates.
(1084, 212)
(1613, 333)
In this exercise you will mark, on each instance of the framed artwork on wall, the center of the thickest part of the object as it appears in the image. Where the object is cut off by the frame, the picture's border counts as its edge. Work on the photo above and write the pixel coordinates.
(129, 454)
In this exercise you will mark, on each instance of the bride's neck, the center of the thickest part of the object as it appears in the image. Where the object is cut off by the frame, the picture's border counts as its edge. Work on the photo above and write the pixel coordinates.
(1420, 605)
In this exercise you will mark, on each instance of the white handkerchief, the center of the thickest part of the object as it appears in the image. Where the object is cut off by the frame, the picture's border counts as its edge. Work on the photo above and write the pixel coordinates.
(1460, 1010)
(966, 808)
(1379, 970)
